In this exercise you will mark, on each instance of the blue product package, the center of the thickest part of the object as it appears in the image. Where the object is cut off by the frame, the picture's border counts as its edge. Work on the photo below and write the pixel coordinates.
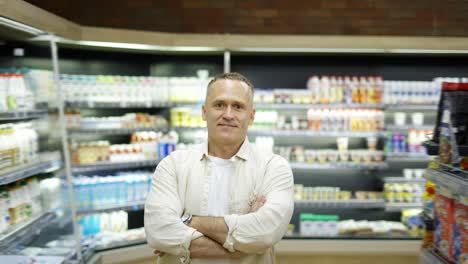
(402, 142)
(396, 143)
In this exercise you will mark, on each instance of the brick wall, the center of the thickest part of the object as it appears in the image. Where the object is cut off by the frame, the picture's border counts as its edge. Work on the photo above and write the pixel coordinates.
(344, 17)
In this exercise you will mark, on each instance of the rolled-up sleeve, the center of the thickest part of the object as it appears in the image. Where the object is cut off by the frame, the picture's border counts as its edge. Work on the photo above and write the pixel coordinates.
(164, 229)
(255, 232)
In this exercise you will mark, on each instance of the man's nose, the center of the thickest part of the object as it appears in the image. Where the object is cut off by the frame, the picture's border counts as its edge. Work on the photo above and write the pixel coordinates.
(228, 113)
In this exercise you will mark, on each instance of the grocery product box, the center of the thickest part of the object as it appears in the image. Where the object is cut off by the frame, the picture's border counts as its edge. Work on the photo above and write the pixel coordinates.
(460, 230)
(443, 222)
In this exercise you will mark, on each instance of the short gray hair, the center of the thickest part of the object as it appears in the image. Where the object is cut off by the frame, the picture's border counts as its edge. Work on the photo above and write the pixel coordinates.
(235, 76)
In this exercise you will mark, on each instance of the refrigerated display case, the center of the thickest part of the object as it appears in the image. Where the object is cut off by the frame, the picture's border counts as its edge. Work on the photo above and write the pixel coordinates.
(273, 71)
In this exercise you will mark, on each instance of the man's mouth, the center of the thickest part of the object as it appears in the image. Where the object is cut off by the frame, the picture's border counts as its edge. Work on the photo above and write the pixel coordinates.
(227, 125)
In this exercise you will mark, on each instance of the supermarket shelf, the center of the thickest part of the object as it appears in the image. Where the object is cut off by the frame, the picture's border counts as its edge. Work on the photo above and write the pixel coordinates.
(407, 157)
(113, 166)
(307, 106)
(92, 253)
(354, 203)
(355, 247)
(25, 230)
(30, 259)
(310, 133)
(17, 173)
(405, 128)
(114, 131)
(432, 148)
(403, 180)
(120, 244)
(293, 133)
(355, 237)
(134, 206)
(411, 107)
(22, 115)
(430, 257)
(397, 207)
(338, 165)
(456, 181)
(122, 104)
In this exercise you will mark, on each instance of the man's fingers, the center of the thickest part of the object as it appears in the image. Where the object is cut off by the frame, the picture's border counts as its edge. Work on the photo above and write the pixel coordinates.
(159, 253)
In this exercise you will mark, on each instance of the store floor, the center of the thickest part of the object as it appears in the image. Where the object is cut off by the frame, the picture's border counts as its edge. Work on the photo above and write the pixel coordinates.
(287, 259)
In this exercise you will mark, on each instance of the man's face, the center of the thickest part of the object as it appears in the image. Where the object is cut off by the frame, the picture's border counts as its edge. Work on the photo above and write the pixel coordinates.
(228, 111)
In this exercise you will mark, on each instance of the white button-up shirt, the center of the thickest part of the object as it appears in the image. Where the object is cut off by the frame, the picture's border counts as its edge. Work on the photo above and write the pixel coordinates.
(181, 183)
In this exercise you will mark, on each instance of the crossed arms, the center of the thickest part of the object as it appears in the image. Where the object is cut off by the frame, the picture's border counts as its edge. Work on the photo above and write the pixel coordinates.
(218, 237)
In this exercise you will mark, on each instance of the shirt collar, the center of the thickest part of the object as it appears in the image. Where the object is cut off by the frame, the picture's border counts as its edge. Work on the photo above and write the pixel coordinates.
(242, 153)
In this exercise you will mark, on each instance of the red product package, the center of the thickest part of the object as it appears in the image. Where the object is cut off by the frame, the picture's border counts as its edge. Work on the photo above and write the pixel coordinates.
(460, 230)
(443, 223)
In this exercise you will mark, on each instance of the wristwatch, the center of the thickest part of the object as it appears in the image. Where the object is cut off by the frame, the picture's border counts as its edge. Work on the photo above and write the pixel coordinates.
(186, 218)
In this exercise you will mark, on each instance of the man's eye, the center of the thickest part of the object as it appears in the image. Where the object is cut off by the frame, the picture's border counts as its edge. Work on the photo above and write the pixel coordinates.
(236, 106)
(218, 105)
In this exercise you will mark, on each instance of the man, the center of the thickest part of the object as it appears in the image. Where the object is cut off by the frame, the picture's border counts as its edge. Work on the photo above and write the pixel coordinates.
(225, 201)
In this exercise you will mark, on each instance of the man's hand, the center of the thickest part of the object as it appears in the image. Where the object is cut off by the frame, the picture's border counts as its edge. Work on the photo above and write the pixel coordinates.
(159, 253)
(257, 204)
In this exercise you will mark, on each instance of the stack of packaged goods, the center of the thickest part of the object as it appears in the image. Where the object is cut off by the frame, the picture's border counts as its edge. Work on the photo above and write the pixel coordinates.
(323, 120)
(342, 155)
(324, 193)
(372, 228)
(411, 92)
(15, 94)
(18, 145)
(346, 89)
(91, 224)
(369, 120)
(19, 202)
(144, 90)
(450, 228)
(320, 156)
(127, 121)
(187, 117)
(113, 190)
(403, 193)
(330, 226)
(328, 90)
(108, 89)
(411, 142)
(144, 146)
(23, 89)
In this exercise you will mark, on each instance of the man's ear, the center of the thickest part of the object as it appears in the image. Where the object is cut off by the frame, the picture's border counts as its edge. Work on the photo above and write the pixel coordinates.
(203, 112)
(252, 117)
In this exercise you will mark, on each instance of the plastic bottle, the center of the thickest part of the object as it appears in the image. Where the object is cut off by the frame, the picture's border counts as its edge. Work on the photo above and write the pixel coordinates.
(363, 90)
(21, 92)
(340, 92)
(412, 142)
(324, 90)
(347, 90)
(379, 89)
(333, 94)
